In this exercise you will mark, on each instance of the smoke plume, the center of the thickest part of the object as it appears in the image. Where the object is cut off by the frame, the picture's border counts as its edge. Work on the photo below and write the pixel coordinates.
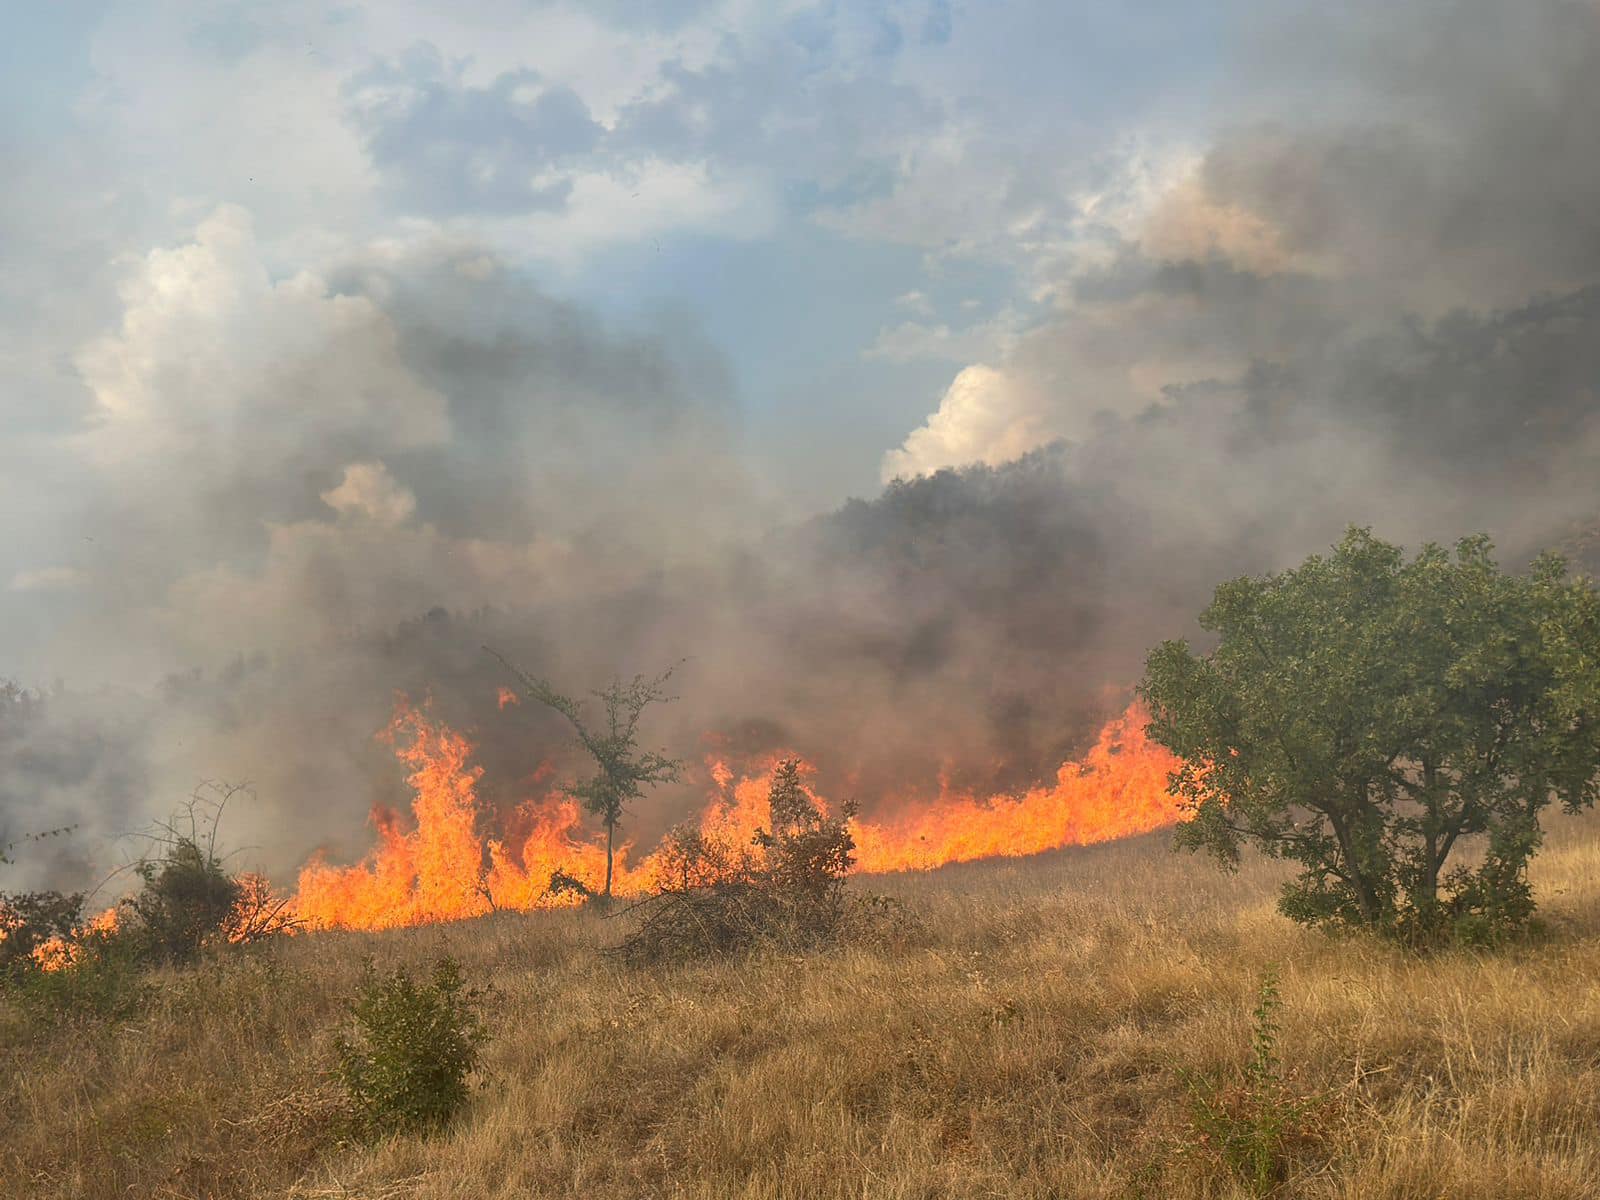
(1374, 297)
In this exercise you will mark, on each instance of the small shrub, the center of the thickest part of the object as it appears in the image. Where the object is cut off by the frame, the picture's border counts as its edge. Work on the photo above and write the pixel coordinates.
(186, 900)
(189, 900)
(715, 900)
(1254, 1126)
(31, 922)
(417, 1044)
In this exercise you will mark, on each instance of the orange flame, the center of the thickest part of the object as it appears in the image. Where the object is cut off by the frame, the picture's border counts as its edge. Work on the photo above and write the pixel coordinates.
(506, 697)
(57, 953)
(1118, 789)
(443, 867)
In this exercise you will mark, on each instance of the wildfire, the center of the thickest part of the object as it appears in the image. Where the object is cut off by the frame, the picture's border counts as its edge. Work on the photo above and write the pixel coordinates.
(442, 866)
(57, 953)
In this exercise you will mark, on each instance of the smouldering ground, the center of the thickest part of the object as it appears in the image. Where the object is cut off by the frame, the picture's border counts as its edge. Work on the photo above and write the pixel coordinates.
(1030, 1043)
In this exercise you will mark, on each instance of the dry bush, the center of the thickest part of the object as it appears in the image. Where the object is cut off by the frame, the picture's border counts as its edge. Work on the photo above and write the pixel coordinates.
(786, 889)
(258, 912)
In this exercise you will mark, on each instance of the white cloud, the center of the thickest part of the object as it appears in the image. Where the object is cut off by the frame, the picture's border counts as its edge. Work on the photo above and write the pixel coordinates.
(216, 362)
(915, 301)
(986, 416)
(911, 341)
(650, 199)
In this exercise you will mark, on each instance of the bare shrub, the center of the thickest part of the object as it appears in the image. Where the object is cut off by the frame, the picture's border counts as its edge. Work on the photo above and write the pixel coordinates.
(258, 912)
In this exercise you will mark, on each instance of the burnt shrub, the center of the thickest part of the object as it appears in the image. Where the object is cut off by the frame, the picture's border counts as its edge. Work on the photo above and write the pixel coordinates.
(96, 973)
(32, 924)
(55, 964)
(416, 1044)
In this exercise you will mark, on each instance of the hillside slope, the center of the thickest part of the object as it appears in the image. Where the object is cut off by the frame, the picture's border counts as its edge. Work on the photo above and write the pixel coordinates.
(1033, 1040)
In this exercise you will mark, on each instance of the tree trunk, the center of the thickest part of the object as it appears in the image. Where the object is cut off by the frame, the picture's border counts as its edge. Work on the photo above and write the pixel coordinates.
(611, 834)
(1430, 809)
(1366, 896)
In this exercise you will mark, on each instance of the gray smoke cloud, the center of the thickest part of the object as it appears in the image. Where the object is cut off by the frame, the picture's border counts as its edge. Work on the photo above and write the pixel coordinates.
(1373, 298)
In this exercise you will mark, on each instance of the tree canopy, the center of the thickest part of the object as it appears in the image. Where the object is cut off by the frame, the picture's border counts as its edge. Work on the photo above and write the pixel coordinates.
(1374, 719)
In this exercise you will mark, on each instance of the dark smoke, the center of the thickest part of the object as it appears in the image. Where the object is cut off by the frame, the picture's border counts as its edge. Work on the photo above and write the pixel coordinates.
(1380, 306)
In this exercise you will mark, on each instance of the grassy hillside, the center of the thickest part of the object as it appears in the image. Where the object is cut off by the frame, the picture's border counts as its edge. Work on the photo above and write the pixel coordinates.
(1033, 1040)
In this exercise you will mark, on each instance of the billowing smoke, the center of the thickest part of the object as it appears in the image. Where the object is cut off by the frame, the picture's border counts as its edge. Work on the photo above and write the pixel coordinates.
(1380, 304)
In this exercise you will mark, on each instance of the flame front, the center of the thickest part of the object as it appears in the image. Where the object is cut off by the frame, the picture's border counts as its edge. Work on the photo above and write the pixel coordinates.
(445, 867)
(1118, 789)
(58, 953)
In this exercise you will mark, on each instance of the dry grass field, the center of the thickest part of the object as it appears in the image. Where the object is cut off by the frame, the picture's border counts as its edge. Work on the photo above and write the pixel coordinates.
(1038, 1037)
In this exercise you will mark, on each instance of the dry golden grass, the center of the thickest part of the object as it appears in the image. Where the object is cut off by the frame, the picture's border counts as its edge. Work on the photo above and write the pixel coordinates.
(1030, 1042)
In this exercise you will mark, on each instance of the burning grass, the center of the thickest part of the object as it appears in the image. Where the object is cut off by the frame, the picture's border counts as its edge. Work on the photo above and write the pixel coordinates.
(1038, 1037)
(440, 862)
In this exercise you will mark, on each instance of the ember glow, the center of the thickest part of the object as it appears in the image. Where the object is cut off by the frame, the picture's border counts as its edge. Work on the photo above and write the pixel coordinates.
(440, 865)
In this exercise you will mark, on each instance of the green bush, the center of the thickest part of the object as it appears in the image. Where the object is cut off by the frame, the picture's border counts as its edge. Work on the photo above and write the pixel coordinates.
(190, 901)
(186, 900)
(417, 1044)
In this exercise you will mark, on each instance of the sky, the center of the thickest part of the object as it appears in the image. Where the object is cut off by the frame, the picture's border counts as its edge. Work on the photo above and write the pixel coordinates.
(626, 319)
(849, 202)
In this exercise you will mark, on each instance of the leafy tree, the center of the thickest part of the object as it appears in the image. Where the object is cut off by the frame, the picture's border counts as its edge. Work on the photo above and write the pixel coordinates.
(623, 770)
(1367, 717)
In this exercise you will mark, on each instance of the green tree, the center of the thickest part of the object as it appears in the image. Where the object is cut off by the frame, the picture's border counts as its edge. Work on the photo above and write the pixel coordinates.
(623, 770)
(1368, 717)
